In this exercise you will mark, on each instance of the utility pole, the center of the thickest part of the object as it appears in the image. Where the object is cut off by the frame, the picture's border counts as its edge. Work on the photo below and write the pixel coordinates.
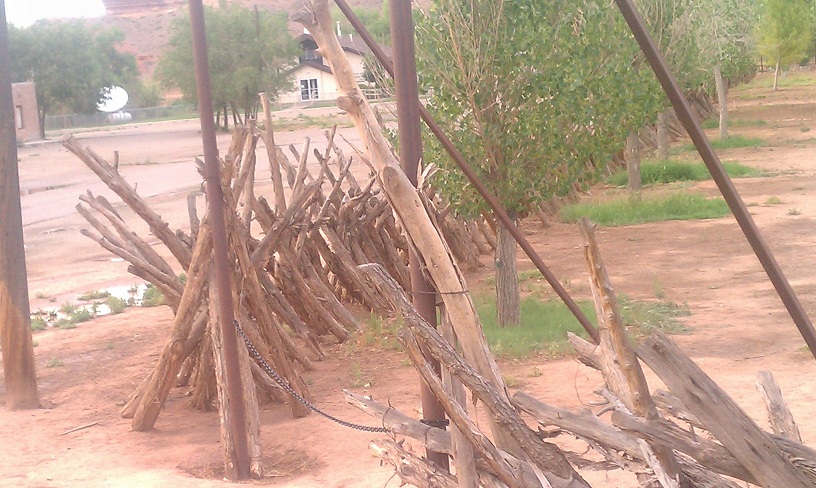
(15, 314)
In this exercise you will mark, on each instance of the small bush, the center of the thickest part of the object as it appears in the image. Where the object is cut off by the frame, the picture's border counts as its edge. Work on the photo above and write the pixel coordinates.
(93, 295)
(38, 323)
(65, 324)
(116, 305)
(67, 308)
(152, 297)
(625, 211)
(81, 315)
(54, 363)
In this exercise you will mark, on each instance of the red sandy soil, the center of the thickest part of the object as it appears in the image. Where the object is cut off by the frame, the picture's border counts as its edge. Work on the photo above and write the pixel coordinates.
(738, 325)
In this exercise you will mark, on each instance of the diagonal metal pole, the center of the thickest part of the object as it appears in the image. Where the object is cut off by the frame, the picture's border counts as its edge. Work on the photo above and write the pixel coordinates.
(715, 167)
(408, 126)
(215, 200)
(459, 159)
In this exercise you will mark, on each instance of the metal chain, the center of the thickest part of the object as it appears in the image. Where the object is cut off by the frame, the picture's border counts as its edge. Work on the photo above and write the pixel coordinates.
(285, 385)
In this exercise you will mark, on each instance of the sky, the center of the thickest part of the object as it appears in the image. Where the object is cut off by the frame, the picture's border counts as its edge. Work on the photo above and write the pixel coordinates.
(23, 13)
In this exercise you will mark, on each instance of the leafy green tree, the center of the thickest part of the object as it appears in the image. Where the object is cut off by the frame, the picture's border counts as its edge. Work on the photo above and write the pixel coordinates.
(376, 21)
(71, 64)
(249, 52)
(537, 94)
(784, 31)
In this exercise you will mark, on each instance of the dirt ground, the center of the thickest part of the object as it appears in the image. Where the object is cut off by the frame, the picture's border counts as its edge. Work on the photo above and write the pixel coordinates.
(738, 324)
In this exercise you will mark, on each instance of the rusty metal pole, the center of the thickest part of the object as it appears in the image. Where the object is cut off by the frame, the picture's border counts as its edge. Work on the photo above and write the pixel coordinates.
(19, 371)
(410, 138)
(496, 206)
(215, 200)
(715, 167)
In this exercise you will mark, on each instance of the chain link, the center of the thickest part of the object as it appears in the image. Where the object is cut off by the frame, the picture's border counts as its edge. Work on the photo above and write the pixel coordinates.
(285, 385)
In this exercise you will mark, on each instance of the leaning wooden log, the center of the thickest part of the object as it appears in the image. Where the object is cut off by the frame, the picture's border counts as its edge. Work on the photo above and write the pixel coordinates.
(609, 440)
(116, 182)
(616, 346)
(721, 415)
(272, 154)
(250, 402)
(411, 468)
(547, 457)
(171, 359)
(779, 415)
(407, 204)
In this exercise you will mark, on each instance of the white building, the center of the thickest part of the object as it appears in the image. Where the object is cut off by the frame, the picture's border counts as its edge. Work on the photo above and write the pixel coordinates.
(314, 80)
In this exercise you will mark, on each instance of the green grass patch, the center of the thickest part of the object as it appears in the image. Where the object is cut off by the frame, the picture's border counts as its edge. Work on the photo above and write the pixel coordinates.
(785, 80)
(644, 317)
(773, 200)
(730, 142)
(625, 211)
(93, 295)
(715, 123)
(54, 363)
(672, 170)
(543, 329)
(378, 332)
(544, 324)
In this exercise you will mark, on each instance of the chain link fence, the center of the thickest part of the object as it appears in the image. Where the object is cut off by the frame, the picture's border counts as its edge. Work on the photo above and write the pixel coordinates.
(99, 119)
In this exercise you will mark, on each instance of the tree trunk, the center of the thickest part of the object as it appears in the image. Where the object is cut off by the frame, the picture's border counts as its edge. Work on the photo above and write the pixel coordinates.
(662, 136)
(776, 73)
(633, 166)
(15, 317)
(722, 100)
(508, 299)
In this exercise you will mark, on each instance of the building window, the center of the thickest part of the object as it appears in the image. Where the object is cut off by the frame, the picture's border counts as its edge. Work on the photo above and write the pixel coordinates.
(18, 116)
(310, 54)
(308, 89)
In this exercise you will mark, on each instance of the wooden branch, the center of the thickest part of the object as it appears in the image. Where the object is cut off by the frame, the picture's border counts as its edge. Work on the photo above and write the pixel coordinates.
(117, 183)
(615, 346)
(779, 415)
(721, 415)
(411, 468)
(546, 456)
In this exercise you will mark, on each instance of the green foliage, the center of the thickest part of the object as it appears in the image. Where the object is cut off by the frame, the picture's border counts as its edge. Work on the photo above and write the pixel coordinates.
(538, 95)
(152, 297)
(375, 20)
(543, 329)
(669, 171)
(67, 308)
(93, 295)
(715, 123)
(773, 200)
(625, 211)
(735, 142)
(71, 63)
(81, 315)
(249, 52)
(784, 31)
(38, 323)
(116, 305)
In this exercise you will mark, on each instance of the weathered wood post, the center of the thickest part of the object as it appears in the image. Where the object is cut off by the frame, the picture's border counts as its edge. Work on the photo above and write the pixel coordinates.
(15, 318)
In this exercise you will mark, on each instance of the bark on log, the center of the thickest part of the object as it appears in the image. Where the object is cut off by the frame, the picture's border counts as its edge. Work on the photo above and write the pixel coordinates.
(779, 415)
(615, 343)
(721, 415)
(272, 154)
(411, 468)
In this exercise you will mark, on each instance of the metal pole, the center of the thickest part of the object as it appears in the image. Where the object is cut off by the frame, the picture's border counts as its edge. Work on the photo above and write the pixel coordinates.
(215, 200)
(405, 84)
(459, 159)
(715, 167)
(19, 371)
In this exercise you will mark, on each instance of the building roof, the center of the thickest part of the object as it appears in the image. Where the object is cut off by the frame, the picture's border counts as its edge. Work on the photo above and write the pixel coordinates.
(349, 43)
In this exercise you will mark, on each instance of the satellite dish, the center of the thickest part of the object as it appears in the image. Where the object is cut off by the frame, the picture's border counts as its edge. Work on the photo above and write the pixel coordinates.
(117, 99)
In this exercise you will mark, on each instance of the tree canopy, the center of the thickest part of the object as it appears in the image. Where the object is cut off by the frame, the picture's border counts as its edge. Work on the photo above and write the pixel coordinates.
(71, 64)
(784, 31)
(249, 52)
